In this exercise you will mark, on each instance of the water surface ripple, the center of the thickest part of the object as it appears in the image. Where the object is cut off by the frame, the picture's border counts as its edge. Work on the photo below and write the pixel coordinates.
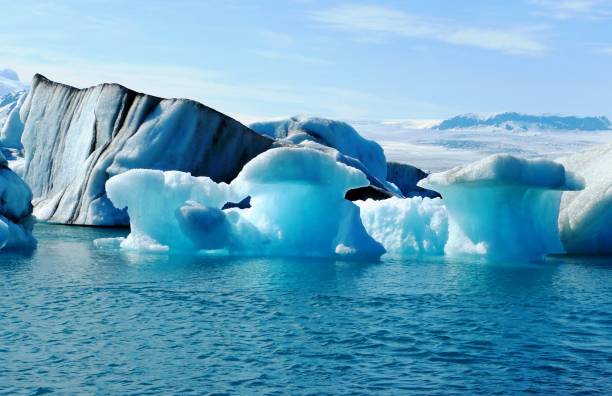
(77, 320)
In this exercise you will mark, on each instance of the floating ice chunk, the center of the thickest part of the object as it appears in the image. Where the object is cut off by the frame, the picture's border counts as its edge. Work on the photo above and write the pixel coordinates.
(336, 134)
(297, 208)
(585, 219)
(154, 199)
(16, 221)
(504, 205)
(407, 226)
(12, 127)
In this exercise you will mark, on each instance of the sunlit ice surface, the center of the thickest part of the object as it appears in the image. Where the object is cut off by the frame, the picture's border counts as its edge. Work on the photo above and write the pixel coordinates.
(76, 319)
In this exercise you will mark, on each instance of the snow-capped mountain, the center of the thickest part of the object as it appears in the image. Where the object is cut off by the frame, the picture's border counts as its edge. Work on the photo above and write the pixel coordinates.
(524, 122)
(9, 82)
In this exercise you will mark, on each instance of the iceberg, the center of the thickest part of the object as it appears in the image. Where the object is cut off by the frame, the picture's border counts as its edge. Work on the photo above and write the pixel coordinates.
(585, 219)
(297, 207)
(11, 126)
(73, 140)
(331, 133)
(409, 226)
(76, 139)
(341, 140)
(504, 206)
(291, 201)
(16, 220)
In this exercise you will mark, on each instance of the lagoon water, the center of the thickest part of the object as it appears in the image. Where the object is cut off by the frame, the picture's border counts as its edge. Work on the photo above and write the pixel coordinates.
(78, 320)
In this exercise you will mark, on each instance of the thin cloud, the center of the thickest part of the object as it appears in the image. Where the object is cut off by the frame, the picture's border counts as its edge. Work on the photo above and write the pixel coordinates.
(572, 9)
(388, 21)
(290, 57)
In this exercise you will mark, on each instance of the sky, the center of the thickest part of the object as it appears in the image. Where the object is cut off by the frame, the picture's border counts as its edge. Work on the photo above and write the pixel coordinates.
(341, 59)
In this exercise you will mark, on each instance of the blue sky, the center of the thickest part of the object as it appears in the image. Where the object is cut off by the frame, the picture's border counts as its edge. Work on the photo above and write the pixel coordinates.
(344, 59)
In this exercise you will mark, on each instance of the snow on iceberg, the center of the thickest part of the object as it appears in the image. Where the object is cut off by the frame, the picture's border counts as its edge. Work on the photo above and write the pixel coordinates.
(297, 208)
(16, 221)
(585, 219)
(76, 139)
(503, 205)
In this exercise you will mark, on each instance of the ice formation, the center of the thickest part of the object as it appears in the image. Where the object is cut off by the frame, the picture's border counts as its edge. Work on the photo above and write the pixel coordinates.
(332, 133)
(75, 140)
(517, 121)
(503, 205)
(9, 82)
(339, 139)
(297, 208)
(585, 220)
(16, 221)
(11, 126)
(407, 226)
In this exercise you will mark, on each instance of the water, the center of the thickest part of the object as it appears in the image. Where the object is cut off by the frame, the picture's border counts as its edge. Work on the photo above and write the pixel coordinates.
(77, 320)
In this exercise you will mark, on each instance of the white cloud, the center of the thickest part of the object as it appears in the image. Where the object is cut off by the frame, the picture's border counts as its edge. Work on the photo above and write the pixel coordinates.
(570, 9)
(388, 21)
(605, 49)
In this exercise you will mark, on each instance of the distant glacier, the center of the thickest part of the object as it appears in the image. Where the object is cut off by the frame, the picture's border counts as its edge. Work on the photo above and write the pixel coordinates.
(517, 121)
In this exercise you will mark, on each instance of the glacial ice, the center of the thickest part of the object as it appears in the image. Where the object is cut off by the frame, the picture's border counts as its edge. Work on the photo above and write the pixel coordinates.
(332, 133)
(16, 221)
(504, 205)
(11, 126)
(501, 206)
(297, 208)
(407, 226)
(75, 140)
(585, 219)
(336, 138)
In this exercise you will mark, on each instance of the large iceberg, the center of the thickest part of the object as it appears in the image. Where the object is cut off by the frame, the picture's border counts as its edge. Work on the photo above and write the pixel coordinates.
(290, 201)
(76, 139)
(297, 207)
(503, 205)
(585, 220)
(16, 221)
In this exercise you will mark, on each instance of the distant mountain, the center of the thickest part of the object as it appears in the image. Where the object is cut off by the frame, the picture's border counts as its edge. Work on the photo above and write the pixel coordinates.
(9, 82)
(524, 122)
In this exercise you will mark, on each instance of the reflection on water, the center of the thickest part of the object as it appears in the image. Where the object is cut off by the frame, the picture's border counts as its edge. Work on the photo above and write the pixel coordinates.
(75, 319)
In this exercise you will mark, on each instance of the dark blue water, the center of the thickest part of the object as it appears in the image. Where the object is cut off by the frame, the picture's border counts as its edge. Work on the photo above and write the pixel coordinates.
(76, 320)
